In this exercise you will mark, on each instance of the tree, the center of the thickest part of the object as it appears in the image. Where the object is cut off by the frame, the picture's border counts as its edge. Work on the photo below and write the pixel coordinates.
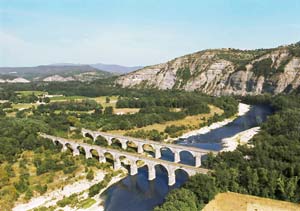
(28, 194)
(2, 113)
(108, 110)
(90, 175)
(204, 187)
(46, 100)
(179, 199)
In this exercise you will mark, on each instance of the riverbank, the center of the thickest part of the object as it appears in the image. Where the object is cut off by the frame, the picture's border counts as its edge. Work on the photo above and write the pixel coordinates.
(242, 109)
(242, 138)
(99, 205)
(80, 187)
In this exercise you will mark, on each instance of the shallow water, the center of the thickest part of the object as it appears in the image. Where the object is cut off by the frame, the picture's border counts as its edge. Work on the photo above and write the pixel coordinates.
(136, 193)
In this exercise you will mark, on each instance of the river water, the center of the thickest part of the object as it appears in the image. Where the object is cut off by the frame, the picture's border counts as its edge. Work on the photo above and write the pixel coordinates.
(136, 193)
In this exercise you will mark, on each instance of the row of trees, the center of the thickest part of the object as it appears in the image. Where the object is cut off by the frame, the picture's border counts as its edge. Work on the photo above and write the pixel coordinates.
(82, 105)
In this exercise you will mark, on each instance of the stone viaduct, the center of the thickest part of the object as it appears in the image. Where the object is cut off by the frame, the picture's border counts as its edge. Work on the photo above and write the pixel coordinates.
(157, 146)
(121, 156)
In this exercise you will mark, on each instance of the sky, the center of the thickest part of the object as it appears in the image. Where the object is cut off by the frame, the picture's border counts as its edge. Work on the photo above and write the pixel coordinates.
(138, 32)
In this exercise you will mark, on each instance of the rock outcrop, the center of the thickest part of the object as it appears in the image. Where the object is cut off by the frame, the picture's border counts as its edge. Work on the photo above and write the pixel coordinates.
(15, 80)
(224, 72)
(58, 78)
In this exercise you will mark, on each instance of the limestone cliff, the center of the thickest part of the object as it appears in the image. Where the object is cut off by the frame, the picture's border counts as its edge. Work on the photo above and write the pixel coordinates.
(224, 71)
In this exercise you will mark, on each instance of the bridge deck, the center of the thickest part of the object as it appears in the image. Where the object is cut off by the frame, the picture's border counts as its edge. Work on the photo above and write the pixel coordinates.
(146, 141)
(123, 153)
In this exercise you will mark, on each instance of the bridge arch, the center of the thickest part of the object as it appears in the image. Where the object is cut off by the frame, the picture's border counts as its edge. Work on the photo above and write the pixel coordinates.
(94, 153)
(148, 148)
(69, 146)
(110, 156)
(116, 143)
(162, 171)
(81, 149)
(167, 153)
(132, 146)
(58, 144)
(187, 157)
(181, 175)
(101, 141)
(88, 135)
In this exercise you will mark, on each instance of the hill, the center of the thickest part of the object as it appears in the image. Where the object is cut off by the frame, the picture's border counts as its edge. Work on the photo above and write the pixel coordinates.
(114, 68)
(224, 71)
(67, 72)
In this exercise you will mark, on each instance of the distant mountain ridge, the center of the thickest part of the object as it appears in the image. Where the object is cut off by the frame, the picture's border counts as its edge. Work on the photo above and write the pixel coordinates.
(65, 72)
(47, 70)
(224, 72)
(114, 68)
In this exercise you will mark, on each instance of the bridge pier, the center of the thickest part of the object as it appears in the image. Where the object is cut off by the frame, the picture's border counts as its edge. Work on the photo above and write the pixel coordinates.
(117, 164)
(124, 145)
(133, 168)
(171, 178)
(198, 160)
(75, 151)
(102, 158)
(64, 148)
(109, 140)
(94, 137)
(140, 148)
(88, 153)
(157, 152)
(176, 156)
(151, 172)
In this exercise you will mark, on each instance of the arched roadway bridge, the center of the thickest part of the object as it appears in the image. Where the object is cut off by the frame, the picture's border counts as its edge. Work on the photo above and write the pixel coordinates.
(176, 149)
(133, 158)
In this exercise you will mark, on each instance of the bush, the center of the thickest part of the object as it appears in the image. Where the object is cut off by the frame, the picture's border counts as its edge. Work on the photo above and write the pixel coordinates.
(71, 200)
(90, 175)
(179, 199)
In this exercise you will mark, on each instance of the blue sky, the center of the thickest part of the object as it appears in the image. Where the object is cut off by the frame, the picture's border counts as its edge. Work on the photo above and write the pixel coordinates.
(138, 32)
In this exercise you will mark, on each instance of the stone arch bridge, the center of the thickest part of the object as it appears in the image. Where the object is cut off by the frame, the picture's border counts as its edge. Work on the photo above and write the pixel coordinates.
(133, 158)
(157, 146)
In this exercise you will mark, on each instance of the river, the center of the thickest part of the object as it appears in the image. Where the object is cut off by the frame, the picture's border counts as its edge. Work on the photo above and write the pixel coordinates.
(136, 193)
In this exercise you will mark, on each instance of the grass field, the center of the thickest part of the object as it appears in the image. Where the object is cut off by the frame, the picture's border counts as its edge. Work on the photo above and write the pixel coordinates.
(240, 202)
(26, 93)
(66, 98)
(101, 100)
(23, 105)
(191, 121)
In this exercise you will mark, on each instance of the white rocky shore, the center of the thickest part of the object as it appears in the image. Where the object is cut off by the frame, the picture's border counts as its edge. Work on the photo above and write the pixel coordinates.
(231, 143)
(82, 186)
(242, 138)
(243, 109)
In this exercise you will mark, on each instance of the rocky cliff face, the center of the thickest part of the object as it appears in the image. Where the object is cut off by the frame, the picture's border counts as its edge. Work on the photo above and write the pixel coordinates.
(224, 71)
